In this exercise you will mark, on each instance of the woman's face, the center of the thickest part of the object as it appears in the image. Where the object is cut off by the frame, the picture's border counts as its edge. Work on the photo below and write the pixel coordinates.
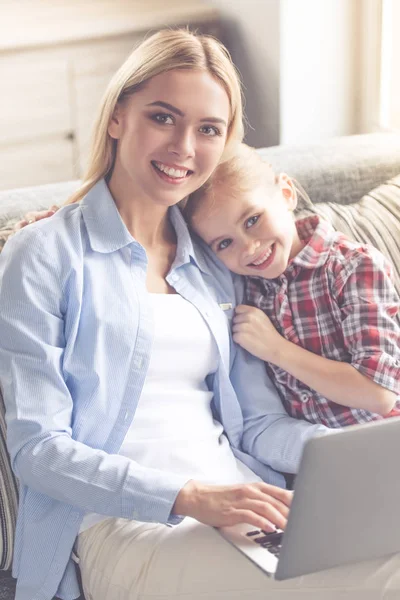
(171, 135)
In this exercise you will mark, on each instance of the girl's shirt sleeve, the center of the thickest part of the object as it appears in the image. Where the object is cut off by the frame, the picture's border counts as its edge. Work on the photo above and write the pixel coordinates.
(369, 306)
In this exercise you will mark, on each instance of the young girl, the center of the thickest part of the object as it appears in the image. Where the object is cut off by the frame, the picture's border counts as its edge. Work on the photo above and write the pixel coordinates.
(321, 308)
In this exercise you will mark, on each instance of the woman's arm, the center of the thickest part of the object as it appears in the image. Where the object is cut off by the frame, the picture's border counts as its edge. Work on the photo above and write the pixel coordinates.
(39, 407)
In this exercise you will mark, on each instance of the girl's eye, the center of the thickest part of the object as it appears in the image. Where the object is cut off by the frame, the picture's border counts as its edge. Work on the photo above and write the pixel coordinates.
(252, 221)
(224, 244)
(210, 130)
(163, 118)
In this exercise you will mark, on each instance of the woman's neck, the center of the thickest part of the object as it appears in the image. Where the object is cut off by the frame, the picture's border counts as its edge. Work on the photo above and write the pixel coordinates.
(146, 222)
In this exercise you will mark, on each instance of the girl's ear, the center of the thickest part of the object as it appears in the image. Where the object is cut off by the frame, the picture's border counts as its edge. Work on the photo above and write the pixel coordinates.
(288, 191)
(115, 124)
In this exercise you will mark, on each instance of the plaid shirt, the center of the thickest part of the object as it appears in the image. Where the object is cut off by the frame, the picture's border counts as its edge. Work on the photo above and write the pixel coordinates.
(336, 299)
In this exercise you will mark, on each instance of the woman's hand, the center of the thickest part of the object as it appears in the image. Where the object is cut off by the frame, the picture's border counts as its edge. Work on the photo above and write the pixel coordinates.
(259, 504)
(253, 330)
(32, 217)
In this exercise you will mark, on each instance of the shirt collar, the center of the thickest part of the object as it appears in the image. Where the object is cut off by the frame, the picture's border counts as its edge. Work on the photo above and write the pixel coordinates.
(186, 251)
(319, 235)
(107, 232)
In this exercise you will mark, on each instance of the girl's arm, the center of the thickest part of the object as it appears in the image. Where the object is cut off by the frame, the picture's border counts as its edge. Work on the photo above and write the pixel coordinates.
(368, 302)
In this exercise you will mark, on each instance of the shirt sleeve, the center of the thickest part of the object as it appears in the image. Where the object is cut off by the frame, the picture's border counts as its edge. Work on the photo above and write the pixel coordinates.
(269, 433)
(369, 304)
(39, 406)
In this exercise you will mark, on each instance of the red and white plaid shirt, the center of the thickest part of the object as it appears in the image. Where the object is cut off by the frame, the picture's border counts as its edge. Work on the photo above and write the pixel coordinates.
(336, 299)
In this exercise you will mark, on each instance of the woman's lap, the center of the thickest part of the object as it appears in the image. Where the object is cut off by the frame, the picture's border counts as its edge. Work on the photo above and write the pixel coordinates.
(127, 560)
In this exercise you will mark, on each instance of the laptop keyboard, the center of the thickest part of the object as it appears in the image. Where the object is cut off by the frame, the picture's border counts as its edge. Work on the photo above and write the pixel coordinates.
(270, 540)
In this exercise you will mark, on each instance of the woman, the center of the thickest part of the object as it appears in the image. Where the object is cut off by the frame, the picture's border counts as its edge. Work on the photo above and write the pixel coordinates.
(127, 406)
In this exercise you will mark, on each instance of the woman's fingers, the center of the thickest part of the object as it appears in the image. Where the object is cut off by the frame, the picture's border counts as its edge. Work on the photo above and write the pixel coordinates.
(251, 518)
(257, 504)
(267, 512)
(284, 496)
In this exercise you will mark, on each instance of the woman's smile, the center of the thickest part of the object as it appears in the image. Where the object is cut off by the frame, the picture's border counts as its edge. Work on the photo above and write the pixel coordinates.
(174, 174)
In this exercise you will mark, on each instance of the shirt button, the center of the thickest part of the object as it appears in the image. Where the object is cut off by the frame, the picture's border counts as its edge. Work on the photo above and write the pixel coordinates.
(75, 516)
(304, 396)
(137, 362)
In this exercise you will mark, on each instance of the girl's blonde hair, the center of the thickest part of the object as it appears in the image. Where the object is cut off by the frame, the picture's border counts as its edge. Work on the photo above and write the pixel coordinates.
(164, 51)
(239, 175)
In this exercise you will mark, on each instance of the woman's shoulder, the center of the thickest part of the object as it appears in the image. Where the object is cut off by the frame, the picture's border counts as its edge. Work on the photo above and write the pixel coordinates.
(53, 241)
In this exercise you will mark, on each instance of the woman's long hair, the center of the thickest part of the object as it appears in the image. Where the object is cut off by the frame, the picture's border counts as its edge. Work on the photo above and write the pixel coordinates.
(163, 51)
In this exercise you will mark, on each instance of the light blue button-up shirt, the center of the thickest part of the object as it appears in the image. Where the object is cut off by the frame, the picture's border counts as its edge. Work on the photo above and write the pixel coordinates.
(75, 344)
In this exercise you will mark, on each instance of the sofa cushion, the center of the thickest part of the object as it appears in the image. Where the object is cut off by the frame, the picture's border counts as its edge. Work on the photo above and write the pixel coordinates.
(375, 220)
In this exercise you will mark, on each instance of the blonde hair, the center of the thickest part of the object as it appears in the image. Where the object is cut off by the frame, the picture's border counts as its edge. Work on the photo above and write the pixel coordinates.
(164, 51)
(239, 175)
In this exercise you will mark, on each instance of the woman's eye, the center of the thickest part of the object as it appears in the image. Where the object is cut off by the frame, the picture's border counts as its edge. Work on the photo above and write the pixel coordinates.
(224, 244)
(210, 130)
(163, 118)
(252, 221)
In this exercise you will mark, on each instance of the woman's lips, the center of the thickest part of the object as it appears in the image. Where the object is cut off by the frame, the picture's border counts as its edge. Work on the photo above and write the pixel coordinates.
(168, 178)
(267, 261)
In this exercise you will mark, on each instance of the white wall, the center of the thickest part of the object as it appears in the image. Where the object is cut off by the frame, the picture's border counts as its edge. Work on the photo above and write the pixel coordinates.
(299, 63)
(319, 79)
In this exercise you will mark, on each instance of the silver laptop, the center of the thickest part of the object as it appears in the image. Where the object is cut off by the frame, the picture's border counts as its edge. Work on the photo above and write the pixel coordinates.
(346, 505)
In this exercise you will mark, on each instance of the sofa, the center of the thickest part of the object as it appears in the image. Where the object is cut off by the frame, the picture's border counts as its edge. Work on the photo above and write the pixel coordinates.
(353, 181)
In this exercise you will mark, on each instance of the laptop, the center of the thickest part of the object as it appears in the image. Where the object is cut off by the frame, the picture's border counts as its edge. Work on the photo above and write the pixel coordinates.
(345, 506)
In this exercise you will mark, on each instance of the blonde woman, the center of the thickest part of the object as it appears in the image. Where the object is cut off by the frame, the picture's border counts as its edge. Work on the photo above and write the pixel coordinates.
(128, 407)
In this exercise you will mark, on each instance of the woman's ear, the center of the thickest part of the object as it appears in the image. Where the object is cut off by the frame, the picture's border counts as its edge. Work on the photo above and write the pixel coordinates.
(115, 125)
(288, 191)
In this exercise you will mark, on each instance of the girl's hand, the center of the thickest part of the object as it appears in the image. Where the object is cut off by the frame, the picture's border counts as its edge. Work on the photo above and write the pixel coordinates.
(259, 504)
(32, 217)
(253, 330)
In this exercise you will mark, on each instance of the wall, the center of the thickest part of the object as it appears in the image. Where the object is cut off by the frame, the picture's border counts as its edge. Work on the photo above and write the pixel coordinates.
(319, 76)
(252, 36)
(299, 63)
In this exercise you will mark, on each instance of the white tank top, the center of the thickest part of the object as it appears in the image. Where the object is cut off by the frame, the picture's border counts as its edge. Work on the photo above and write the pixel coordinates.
(173, 428)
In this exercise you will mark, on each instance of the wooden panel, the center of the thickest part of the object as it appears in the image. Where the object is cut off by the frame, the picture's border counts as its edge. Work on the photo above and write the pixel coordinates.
(34, 99)
(91, 76)
(48, 22)
(41, 161)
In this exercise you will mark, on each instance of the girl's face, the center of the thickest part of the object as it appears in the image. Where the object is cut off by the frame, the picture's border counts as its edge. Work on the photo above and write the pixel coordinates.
(253, 235)
(171, 135)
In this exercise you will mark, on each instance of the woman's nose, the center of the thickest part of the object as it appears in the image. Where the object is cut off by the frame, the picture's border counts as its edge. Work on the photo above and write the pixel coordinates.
(183, 144)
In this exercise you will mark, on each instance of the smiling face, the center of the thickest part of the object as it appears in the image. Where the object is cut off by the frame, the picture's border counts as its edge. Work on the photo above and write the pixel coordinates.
(253, 234)
(171, 134)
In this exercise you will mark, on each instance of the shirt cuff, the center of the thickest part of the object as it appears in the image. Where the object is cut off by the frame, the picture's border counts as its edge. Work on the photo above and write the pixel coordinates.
(381, 368)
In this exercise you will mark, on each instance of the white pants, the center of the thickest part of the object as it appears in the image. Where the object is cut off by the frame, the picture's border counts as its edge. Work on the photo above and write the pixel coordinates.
(127, 560)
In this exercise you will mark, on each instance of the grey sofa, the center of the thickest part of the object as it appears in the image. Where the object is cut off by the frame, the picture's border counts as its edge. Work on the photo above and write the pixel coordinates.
(353, 181)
